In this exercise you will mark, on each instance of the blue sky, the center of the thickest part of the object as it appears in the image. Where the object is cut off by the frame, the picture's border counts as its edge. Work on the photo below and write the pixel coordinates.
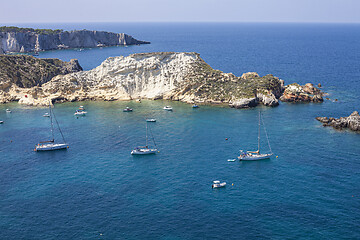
(23, 11)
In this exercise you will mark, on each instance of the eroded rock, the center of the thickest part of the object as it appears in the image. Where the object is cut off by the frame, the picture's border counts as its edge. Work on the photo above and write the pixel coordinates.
(297, 93)
(351, 122)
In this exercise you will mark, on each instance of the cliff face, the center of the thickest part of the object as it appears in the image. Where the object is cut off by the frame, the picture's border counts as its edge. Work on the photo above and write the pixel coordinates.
(21, 73)
(175, 76)
(34, 41)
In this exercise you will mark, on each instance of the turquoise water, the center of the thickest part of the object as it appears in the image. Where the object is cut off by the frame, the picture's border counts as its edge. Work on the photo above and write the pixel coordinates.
(97, 190)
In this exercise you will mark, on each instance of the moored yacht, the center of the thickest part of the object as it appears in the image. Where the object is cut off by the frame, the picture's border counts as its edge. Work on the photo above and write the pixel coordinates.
(145, 150)
(256, 155)
(50, 145)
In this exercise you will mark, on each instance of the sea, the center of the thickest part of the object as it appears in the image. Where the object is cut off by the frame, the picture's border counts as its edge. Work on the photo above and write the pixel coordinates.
(309, 189)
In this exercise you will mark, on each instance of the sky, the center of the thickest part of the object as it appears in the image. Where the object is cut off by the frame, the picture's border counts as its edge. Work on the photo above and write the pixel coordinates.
(48, 11)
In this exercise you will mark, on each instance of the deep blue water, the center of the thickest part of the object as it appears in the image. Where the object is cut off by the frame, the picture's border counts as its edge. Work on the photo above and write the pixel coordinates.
(97, 190)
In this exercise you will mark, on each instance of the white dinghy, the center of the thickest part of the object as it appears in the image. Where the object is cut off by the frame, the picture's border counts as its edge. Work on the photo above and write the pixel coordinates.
(168, 108)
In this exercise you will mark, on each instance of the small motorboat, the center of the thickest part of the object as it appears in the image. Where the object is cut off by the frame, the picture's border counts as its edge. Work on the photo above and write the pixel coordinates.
(46, 115)
(1, 122)
(151, 120)
(231, 160)
(80, 113)
(168, 108)
(218, 184)
(195, 106)
(127, 109)
(8, 110)
(82, 108)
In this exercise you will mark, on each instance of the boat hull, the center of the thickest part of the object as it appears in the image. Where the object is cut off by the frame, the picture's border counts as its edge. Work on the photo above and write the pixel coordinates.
(168, 108)
(51, 147)
(143, 151)
(255, 157)
(218, 185)
(80, 113)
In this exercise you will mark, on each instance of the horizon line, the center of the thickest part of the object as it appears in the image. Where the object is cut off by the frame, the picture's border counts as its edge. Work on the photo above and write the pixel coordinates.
(271, 22)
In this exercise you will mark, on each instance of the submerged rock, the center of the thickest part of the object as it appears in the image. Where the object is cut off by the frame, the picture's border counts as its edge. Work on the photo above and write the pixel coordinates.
(351, 122)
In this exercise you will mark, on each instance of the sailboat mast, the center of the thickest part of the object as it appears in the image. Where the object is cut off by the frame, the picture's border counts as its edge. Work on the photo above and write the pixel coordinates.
(52, 124)
(146, 134)
(259, 136)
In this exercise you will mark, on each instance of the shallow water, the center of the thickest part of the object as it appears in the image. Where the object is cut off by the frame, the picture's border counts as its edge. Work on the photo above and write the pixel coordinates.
(97, 190)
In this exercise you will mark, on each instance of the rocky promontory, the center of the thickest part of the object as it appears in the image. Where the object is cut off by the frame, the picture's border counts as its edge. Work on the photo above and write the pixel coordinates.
(165, 75)
(13, 39)
(22, 73)
(351, 122)
(297, 93)
(183, 76)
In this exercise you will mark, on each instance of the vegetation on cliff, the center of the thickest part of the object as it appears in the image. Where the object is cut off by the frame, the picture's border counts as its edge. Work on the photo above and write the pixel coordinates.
(205, 82)
(27, 71)
(26, 30)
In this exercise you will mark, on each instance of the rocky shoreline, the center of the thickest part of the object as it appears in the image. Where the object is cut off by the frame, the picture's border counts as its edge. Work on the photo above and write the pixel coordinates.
(15, 40)
(307, 93)
(162, 75)
(351, 122)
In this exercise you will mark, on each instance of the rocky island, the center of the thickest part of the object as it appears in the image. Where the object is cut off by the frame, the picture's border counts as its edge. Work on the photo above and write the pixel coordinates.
(351, 122)
(183, 76)
(14, 39)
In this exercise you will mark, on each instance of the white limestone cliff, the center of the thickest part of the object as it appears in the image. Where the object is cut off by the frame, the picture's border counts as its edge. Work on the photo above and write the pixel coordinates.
(168, 75)
(33, 41)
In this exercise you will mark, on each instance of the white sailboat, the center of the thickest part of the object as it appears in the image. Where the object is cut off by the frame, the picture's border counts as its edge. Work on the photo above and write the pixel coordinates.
(256, 155)
(51, 145)
(145, 150)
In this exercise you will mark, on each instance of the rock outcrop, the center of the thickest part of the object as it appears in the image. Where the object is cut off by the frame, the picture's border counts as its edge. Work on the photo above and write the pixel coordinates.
(351, 122)
(19, 74)
(307, 93)
(175, 76)
(14, 39)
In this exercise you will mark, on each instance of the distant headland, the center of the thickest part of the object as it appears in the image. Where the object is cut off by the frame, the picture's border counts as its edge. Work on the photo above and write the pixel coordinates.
(15, 40)
(182, 76)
